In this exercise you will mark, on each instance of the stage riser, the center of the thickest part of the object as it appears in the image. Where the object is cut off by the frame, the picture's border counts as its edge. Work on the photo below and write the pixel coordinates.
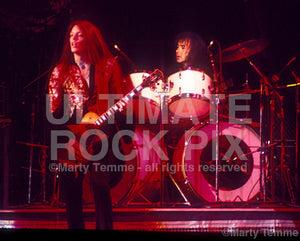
(164, 219)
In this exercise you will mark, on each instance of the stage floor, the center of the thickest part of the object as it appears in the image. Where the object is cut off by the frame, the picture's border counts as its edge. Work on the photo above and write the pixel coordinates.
(225, 219)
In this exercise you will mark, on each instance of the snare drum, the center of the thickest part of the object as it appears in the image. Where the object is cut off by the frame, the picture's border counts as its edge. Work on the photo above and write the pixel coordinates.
(190, 94)
(147, 105)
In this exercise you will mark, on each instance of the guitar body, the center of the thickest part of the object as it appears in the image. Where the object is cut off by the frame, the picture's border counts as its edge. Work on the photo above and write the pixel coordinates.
(89, 118)
(87, 123)
(92, 121)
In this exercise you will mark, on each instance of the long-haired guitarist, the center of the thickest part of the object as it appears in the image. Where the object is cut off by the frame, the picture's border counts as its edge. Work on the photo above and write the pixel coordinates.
(86, 70)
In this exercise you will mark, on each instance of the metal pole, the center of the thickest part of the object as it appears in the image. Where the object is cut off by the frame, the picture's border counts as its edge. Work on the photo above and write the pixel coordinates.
(163, 121)
(297, 164)
(217, 148)
(31, 151)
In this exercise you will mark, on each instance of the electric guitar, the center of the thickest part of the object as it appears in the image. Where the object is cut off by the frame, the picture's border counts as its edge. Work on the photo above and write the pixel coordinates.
(93, 121)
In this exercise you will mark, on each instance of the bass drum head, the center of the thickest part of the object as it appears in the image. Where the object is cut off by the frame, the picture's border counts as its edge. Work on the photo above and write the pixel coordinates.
(138, 178)
(239, 161)
(141, 184)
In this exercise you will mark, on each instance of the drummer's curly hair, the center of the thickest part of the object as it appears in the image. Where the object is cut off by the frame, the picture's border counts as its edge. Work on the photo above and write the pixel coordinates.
(198, 56)
(198, 50)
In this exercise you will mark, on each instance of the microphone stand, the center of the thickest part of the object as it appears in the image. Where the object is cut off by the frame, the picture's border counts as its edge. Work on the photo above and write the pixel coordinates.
(216, 105)
(34, 109)
(297, 165)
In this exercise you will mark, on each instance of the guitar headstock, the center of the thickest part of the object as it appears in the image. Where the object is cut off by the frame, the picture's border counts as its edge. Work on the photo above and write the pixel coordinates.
(155, 76)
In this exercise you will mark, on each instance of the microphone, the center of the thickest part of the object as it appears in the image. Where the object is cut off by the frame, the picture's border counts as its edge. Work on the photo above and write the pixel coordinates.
(218, 84)
(211, 44)
(210, 49)
(290, 61)
(117, 48)
(213, 63)
(275, 77)
(125, 56)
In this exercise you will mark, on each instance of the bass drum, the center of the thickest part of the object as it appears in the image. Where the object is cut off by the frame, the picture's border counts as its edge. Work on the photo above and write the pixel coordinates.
(239, 165)
(139, 179)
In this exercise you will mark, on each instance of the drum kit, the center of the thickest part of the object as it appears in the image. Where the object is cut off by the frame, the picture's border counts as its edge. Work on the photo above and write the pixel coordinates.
(210, 158)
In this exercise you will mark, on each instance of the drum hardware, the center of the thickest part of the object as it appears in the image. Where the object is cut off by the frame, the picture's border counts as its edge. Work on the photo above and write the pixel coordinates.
(284, 170)
(241, 121)
(284, 174)
(217, 88)
(288, 86)
(263, 90)
(242, 92)
(129, 199)
(217, 102)
(234, 53)
(297, 100)
(164, 167)
(285, 177)
(242, 50)
(257, 150)
(275, 78)
(271, 95)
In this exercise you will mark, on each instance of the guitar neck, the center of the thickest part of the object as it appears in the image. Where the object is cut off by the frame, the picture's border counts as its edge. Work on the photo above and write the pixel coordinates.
(118, 106)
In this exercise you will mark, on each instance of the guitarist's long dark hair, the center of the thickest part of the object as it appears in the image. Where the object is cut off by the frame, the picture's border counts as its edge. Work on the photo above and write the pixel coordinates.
(97, 51)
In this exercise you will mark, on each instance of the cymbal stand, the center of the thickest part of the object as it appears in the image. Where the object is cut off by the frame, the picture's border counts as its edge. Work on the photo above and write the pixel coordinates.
(263, 88)
(217, 102)
(264, 84)
(284, 170)
(162, 98)
(217, 88)
(164, 167)
(297, 165)
(33, 109)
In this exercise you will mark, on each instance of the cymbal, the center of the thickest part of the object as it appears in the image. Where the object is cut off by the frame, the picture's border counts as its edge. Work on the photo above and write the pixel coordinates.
(243, 50)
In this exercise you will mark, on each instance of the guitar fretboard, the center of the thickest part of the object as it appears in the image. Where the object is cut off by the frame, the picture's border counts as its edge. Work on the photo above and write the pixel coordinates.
(118, 106)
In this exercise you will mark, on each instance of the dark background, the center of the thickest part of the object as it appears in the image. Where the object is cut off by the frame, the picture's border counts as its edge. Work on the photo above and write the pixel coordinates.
(32, 34)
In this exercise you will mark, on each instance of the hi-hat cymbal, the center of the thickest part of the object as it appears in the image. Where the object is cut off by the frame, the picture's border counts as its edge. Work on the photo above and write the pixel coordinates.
(243, 50)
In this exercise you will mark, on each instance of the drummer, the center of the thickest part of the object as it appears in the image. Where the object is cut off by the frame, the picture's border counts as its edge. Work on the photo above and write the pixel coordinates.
(191, 52)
